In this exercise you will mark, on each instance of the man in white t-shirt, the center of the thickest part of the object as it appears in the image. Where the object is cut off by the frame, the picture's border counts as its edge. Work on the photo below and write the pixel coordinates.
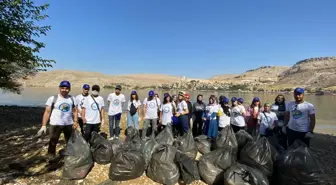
(80, 99)
(62, 112)
(93, 113)
(151, 107)
(182, 113)
(299, 119)
(267, 121)
(116, 102)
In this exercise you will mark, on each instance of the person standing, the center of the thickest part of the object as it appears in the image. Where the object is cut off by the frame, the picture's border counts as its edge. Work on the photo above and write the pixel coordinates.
(62, 112)
(198, 111)
(224, 119)
(80, 99)
(237, 120)
(267, 121)
(279, 108)
(210, 118)
(116, 102)
(252, 115)
(93, 113)
(151, 108)
(182, 113)
(134, 107)
(166, 112)
(299, 119)
(190, 108)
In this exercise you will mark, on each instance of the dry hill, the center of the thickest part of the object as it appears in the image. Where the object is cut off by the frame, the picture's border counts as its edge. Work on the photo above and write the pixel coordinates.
(312, 72)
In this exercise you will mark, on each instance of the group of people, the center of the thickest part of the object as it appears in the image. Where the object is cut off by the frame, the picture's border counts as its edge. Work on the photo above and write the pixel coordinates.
(288, 121)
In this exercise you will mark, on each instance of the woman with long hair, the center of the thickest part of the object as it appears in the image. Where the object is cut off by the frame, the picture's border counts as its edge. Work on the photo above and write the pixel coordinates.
(198, 111)
(224, 118)
(237, 120)
(134, 105)
(166, 112)
(279, 108)
(210, 118)
(182, 113)
(252, 114)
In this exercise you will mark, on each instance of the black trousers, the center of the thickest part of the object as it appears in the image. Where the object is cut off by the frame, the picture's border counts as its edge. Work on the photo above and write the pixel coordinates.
(55, 132)
(294, 135)
(89, 128)
(197, 128)
(81, 125)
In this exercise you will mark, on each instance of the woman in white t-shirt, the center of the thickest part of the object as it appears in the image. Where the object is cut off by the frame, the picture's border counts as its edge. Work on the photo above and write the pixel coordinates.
(267, 121)
(237, 120)
(133, 108)
(166, 112)
(182, 114)
(224, 118)
(210, 118)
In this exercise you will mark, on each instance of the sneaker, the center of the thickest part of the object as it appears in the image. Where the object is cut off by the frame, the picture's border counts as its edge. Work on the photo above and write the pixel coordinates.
(111, 138)
(116, 137)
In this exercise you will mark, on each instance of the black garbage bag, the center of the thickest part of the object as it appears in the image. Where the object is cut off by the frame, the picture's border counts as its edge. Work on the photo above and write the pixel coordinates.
(127, 164)
(78, 158)
(226, 138)
(298, 166)
(117, 144)
(243, 138)
(211, 166)
(186, 145)
(188, 168)
(148, 148)
(101, 149)
(258, 154)
(162, 167)
(133, 140)
(203, 144)
(240, 174)
(165, 136)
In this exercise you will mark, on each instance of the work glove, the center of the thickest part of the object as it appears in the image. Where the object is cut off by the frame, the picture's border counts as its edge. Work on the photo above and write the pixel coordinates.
(309, 135)
(43, 130)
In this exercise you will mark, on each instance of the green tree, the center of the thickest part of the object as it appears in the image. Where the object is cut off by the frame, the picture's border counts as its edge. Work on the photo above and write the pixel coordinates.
(19, 49)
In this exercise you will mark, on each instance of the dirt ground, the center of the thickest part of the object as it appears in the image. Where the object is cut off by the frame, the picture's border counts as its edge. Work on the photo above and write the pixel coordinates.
(23, 161)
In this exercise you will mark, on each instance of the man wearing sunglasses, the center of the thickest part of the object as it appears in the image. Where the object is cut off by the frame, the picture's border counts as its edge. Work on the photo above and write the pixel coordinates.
(299, 118)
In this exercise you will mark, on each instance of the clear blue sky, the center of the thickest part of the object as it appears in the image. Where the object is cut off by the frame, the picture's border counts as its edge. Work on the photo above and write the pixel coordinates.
(195, 38)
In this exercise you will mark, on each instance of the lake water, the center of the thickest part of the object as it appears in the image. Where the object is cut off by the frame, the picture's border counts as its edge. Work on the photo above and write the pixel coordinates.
(324, 105)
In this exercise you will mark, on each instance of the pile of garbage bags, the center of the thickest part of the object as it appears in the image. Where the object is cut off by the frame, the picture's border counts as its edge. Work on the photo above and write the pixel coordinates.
(230, 159)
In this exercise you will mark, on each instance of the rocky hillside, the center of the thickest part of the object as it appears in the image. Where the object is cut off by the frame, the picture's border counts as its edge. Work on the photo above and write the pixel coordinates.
(312, 72)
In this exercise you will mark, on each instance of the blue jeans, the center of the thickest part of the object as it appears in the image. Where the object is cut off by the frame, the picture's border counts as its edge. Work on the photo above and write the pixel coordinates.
(114, 123)
(133, 119)
(184, 124)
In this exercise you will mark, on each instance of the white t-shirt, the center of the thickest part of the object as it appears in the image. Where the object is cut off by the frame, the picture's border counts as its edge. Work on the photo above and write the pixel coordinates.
(135, 103)
(224, 120)
(62, 112)
(80, 99)
(237, 118)
(181, 106)
(116, 103)
(167, 113)
(92, 114)
(151, 108)
(210, 109)
(299, 116)
(266, 121)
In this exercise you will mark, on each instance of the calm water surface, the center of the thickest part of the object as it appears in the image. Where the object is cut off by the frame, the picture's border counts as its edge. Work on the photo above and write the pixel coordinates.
(324, 105)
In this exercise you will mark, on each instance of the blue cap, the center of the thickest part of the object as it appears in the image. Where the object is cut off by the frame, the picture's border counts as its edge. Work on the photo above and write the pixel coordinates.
(151, 93)
(233, 99)
(86, 86)
(65, 84)
(133, 93)
(241, 100)
(255, 99)
(299, 91)
(226, 100)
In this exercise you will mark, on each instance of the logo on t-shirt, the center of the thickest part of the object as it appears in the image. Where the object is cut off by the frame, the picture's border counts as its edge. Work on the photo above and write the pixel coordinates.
(94, 106)
(296, 114)
(151, 105)
(166, 109)
(116, 102)
(64, 107)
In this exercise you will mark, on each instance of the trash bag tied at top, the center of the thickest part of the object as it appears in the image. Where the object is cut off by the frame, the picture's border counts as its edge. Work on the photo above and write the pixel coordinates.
(186, 145)
(101, 149)
(133, 140)
(165, 136)
(188, 168)
(203, 144)
(148, 148)
(240, 174)
(227, 138)
(78, 159)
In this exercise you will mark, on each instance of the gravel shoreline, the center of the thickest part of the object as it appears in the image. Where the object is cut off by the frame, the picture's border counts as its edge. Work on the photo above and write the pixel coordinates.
(22, 157)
